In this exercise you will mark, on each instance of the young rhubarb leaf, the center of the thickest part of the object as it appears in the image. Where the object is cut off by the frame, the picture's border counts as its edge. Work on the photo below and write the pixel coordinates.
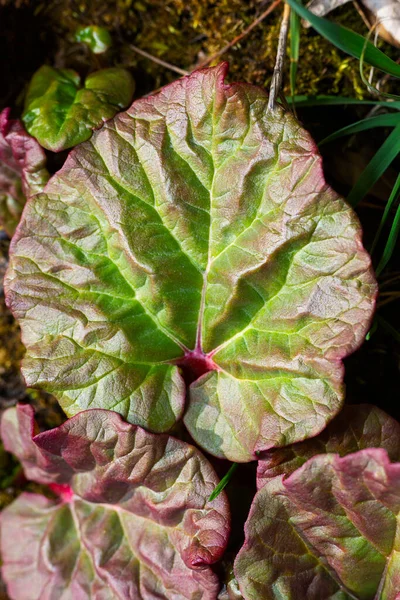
(22, 170)
(60, 113)
(193, 242)
(132, 519)
(98, 39)
(324, 523)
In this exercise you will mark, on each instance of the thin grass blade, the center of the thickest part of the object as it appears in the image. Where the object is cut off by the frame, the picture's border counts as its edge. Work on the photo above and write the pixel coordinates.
(390, 120)
(392, 199)
(388, 328)
(223, 483)
(376, 167)
(350, 42)
(391, 243)
(294, 50)
(325, 100)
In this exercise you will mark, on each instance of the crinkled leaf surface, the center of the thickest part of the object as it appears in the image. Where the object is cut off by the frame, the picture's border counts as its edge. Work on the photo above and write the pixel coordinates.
(329, 530)
(97, 38)
(22, 170)
(355, 428)
(60, 113)
(194, 231)
(133, 522)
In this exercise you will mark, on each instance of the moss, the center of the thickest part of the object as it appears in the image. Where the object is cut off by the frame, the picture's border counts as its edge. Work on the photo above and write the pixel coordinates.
(184, 32)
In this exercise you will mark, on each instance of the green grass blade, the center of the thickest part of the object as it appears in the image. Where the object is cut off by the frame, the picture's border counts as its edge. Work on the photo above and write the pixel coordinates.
(390, 120)
(350, 42)
(391, 243)
(223, 483)
(393, 197)
(323, 100)
(388, 327)
(367, 82)
(294, 50)
(376, 167)
(373, 329)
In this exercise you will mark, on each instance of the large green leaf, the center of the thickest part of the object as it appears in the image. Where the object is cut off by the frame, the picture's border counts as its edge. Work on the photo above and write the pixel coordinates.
(60, 113)
(132, 519)
(194, 235)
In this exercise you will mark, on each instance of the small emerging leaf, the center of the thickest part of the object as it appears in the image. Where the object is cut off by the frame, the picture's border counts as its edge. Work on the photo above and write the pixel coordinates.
(22, 170)
(323, 525)
(193, 243)
(60, 113)
(132, 519)
(97, 38)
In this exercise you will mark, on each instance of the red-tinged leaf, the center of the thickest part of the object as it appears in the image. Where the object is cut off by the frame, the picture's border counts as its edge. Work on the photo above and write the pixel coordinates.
(324, 523)
(194, 235)
(133, 518)
(22, 170)
(18, 429)
(355, 428)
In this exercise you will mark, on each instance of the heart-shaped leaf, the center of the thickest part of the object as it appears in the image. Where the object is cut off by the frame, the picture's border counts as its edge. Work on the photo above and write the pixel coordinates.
(22, 170)
(60, 113)
(194, 234)
(328, 530)
(132, 519)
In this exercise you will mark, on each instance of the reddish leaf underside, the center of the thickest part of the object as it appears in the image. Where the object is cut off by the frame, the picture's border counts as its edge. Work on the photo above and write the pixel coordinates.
(192, 249)
(328, 530)
(132, 519)
(22, 170)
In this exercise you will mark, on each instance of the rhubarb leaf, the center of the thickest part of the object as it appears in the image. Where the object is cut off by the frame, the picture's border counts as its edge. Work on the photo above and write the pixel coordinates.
(328, 528)
(194, 242)
(22, 170)
(132, 519)
(355, 428)
(60, 113)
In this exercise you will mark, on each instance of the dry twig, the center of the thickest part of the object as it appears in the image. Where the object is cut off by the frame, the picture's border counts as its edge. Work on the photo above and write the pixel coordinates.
(280, 58)
(163, 63)
(239, 37)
